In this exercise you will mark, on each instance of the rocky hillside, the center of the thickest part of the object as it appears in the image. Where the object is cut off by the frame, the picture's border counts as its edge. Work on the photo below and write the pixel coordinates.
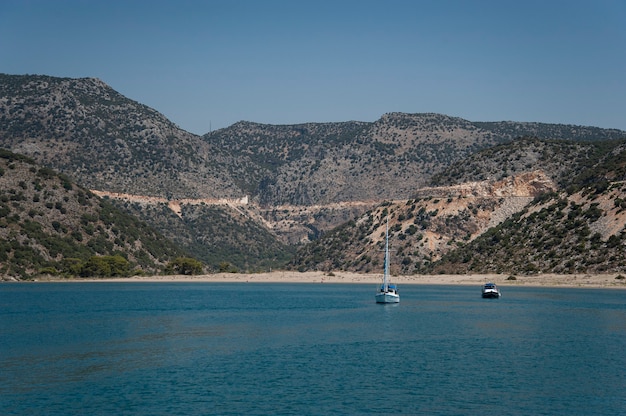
(326, 163)
(561, 160)
(225, 236)
(582, 232)
(424, 228)
(580, 228)
(105, 141)
(102, 140)
(50, 225)
(527, 223)
(299, 181)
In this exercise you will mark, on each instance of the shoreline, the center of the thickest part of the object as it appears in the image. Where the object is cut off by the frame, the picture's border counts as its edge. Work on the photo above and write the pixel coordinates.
(542, 280)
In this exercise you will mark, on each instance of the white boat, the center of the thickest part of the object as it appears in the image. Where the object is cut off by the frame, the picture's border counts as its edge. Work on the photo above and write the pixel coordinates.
(388, 292)
(490, 290)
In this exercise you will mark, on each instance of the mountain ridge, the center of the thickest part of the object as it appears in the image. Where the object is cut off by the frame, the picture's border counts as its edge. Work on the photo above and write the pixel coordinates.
(299, 181)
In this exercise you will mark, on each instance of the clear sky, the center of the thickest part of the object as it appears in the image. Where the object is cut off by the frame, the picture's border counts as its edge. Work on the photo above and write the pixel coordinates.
(208, 64)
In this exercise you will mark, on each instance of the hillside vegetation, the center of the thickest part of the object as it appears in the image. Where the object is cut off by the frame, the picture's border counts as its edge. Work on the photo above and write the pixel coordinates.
(49, 225)
(105, 141)
(578, 233)
(224, 238)
(314, 187)
(325, 163)
(529, 223)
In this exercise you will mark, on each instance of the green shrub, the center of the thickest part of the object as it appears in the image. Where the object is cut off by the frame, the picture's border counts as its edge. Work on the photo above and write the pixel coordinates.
(49, 270)
(184, 265)
(106, 266)
(71, 266)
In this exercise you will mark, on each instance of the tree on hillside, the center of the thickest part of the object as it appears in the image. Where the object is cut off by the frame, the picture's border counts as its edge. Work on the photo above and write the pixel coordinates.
(184, 265)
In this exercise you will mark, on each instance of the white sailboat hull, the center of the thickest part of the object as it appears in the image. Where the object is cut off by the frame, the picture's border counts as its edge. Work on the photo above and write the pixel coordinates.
(388, 293)
(387, 297)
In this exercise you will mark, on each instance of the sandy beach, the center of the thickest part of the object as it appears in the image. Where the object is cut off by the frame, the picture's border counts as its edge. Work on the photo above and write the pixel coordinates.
(556, 280)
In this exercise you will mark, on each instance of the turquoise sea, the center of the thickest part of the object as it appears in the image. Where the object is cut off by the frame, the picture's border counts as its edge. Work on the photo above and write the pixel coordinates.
(309, 349)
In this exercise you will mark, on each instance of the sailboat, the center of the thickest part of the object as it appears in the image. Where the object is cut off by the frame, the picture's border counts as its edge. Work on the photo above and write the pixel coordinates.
(388, 292)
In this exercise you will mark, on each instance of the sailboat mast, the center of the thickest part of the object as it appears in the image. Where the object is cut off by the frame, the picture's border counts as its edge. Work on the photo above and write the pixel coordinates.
(386, 275)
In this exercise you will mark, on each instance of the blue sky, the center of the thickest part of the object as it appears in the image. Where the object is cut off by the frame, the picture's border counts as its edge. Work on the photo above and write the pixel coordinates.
(208, 64)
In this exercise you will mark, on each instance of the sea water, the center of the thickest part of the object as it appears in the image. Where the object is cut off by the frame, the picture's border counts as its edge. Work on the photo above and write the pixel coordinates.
(309, 349)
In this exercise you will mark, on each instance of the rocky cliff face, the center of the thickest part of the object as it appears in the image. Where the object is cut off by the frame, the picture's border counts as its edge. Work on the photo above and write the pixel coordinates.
(520, 224)
(527, 184)
(426, 227)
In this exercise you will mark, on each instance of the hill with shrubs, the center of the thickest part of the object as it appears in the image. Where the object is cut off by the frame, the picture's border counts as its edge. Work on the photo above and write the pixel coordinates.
(318, 188)
(52, 226)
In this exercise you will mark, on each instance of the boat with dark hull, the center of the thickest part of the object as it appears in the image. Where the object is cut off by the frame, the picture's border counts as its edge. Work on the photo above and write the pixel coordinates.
(491, 291)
